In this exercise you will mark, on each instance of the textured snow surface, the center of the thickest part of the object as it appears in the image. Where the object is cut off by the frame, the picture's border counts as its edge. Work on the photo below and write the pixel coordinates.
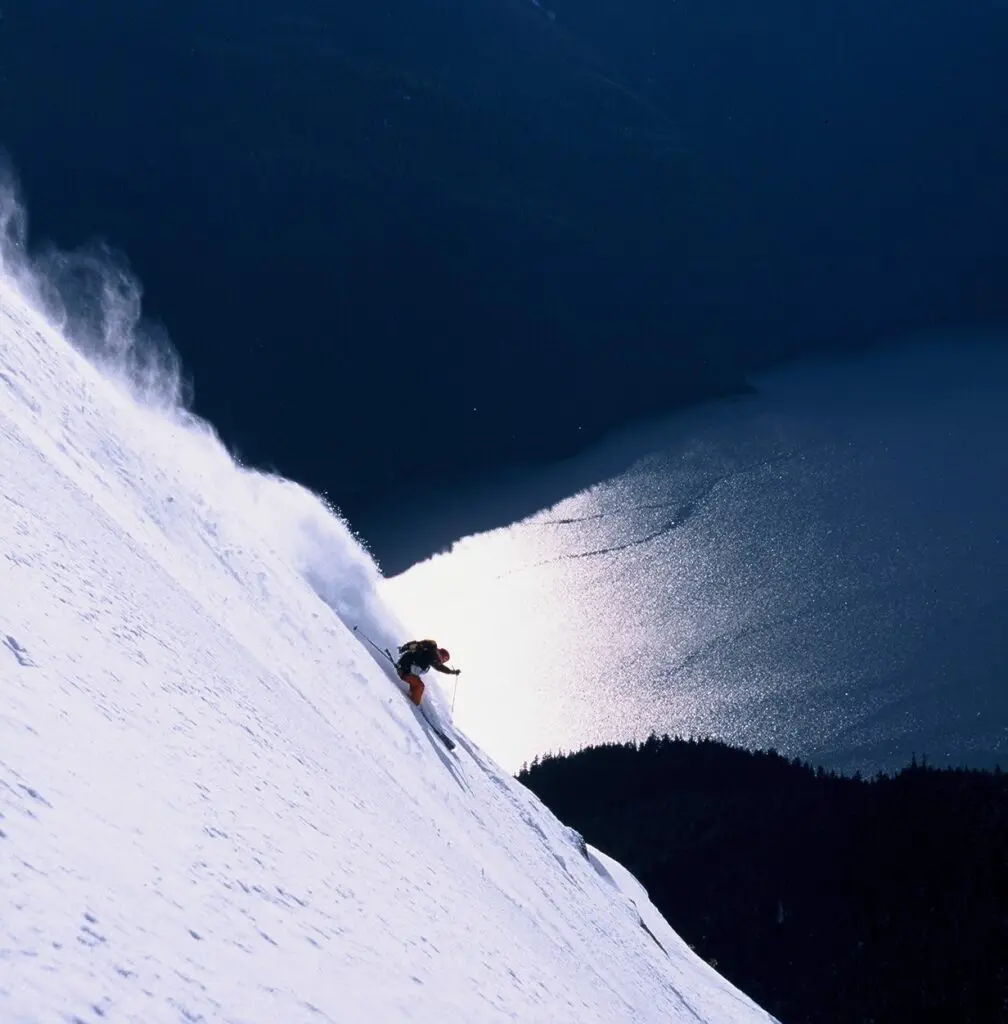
(217, 804)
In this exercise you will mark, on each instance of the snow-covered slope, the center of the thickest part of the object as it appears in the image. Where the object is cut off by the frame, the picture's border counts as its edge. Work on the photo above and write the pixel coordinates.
(216, 804)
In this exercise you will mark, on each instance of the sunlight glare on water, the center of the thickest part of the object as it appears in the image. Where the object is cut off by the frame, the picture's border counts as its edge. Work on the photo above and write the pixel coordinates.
(511, 649)
(548, 656)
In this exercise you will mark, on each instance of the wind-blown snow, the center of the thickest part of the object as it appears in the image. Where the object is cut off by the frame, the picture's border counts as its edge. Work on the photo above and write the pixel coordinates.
(217, 804)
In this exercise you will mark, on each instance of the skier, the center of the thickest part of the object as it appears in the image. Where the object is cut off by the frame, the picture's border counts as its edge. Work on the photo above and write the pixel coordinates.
(416, 657)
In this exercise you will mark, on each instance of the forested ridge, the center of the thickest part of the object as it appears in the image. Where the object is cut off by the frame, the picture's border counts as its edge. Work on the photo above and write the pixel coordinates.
(826, 897)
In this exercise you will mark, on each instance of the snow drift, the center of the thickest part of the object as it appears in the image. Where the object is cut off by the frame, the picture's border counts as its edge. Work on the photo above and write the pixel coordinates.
(215, 804)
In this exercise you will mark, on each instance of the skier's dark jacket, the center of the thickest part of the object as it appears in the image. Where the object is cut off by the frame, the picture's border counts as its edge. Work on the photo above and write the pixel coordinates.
(421, 655)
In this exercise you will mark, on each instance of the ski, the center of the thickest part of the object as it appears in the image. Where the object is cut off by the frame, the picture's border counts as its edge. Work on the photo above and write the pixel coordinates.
(449, 743)
(436, 729)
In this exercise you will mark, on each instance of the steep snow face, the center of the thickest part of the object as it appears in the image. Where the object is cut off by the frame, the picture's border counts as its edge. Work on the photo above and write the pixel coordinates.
(216, 804)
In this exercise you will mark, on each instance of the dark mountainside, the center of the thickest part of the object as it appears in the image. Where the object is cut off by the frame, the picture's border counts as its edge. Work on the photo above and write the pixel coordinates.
(828, 899)
(467, 232)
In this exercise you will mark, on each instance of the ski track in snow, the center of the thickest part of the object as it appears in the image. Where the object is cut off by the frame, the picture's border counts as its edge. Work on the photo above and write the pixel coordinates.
(215, 805)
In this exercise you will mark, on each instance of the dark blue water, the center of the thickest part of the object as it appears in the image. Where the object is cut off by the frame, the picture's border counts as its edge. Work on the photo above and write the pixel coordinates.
(822, 569)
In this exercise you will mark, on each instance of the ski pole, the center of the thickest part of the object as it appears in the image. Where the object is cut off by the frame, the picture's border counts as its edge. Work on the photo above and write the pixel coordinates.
(454, 691)
(380, 650)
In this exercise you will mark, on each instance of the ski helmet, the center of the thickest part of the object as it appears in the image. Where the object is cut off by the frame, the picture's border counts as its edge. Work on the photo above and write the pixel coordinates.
(443, 655)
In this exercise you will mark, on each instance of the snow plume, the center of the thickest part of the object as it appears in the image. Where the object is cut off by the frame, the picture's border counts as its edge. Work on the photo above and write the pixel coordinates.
(89, 297)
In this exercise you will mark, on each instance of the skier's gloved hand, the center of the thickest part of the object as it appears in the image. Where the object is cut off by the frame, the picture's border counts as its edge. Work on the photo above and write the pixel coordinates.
(458, 671)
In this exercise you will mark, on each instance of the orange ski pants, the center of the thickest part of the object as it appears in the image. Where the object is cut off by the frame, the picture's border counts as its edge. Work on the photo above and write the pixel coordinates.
(415, 684)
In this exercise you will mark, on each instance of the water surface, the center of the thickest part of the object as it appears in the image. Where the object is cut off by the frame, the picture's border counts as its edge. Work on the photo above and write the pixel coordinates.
(821, 569)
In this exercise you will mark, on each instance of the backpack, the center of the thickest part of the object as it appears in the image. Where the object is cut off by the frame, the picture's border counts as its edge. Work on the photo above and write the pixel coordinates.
(425, 649)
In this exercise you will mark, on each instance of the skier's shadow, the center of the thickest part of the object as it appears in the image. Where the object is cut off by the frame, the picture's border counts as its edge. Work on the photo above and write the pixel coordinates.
(450, 762)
